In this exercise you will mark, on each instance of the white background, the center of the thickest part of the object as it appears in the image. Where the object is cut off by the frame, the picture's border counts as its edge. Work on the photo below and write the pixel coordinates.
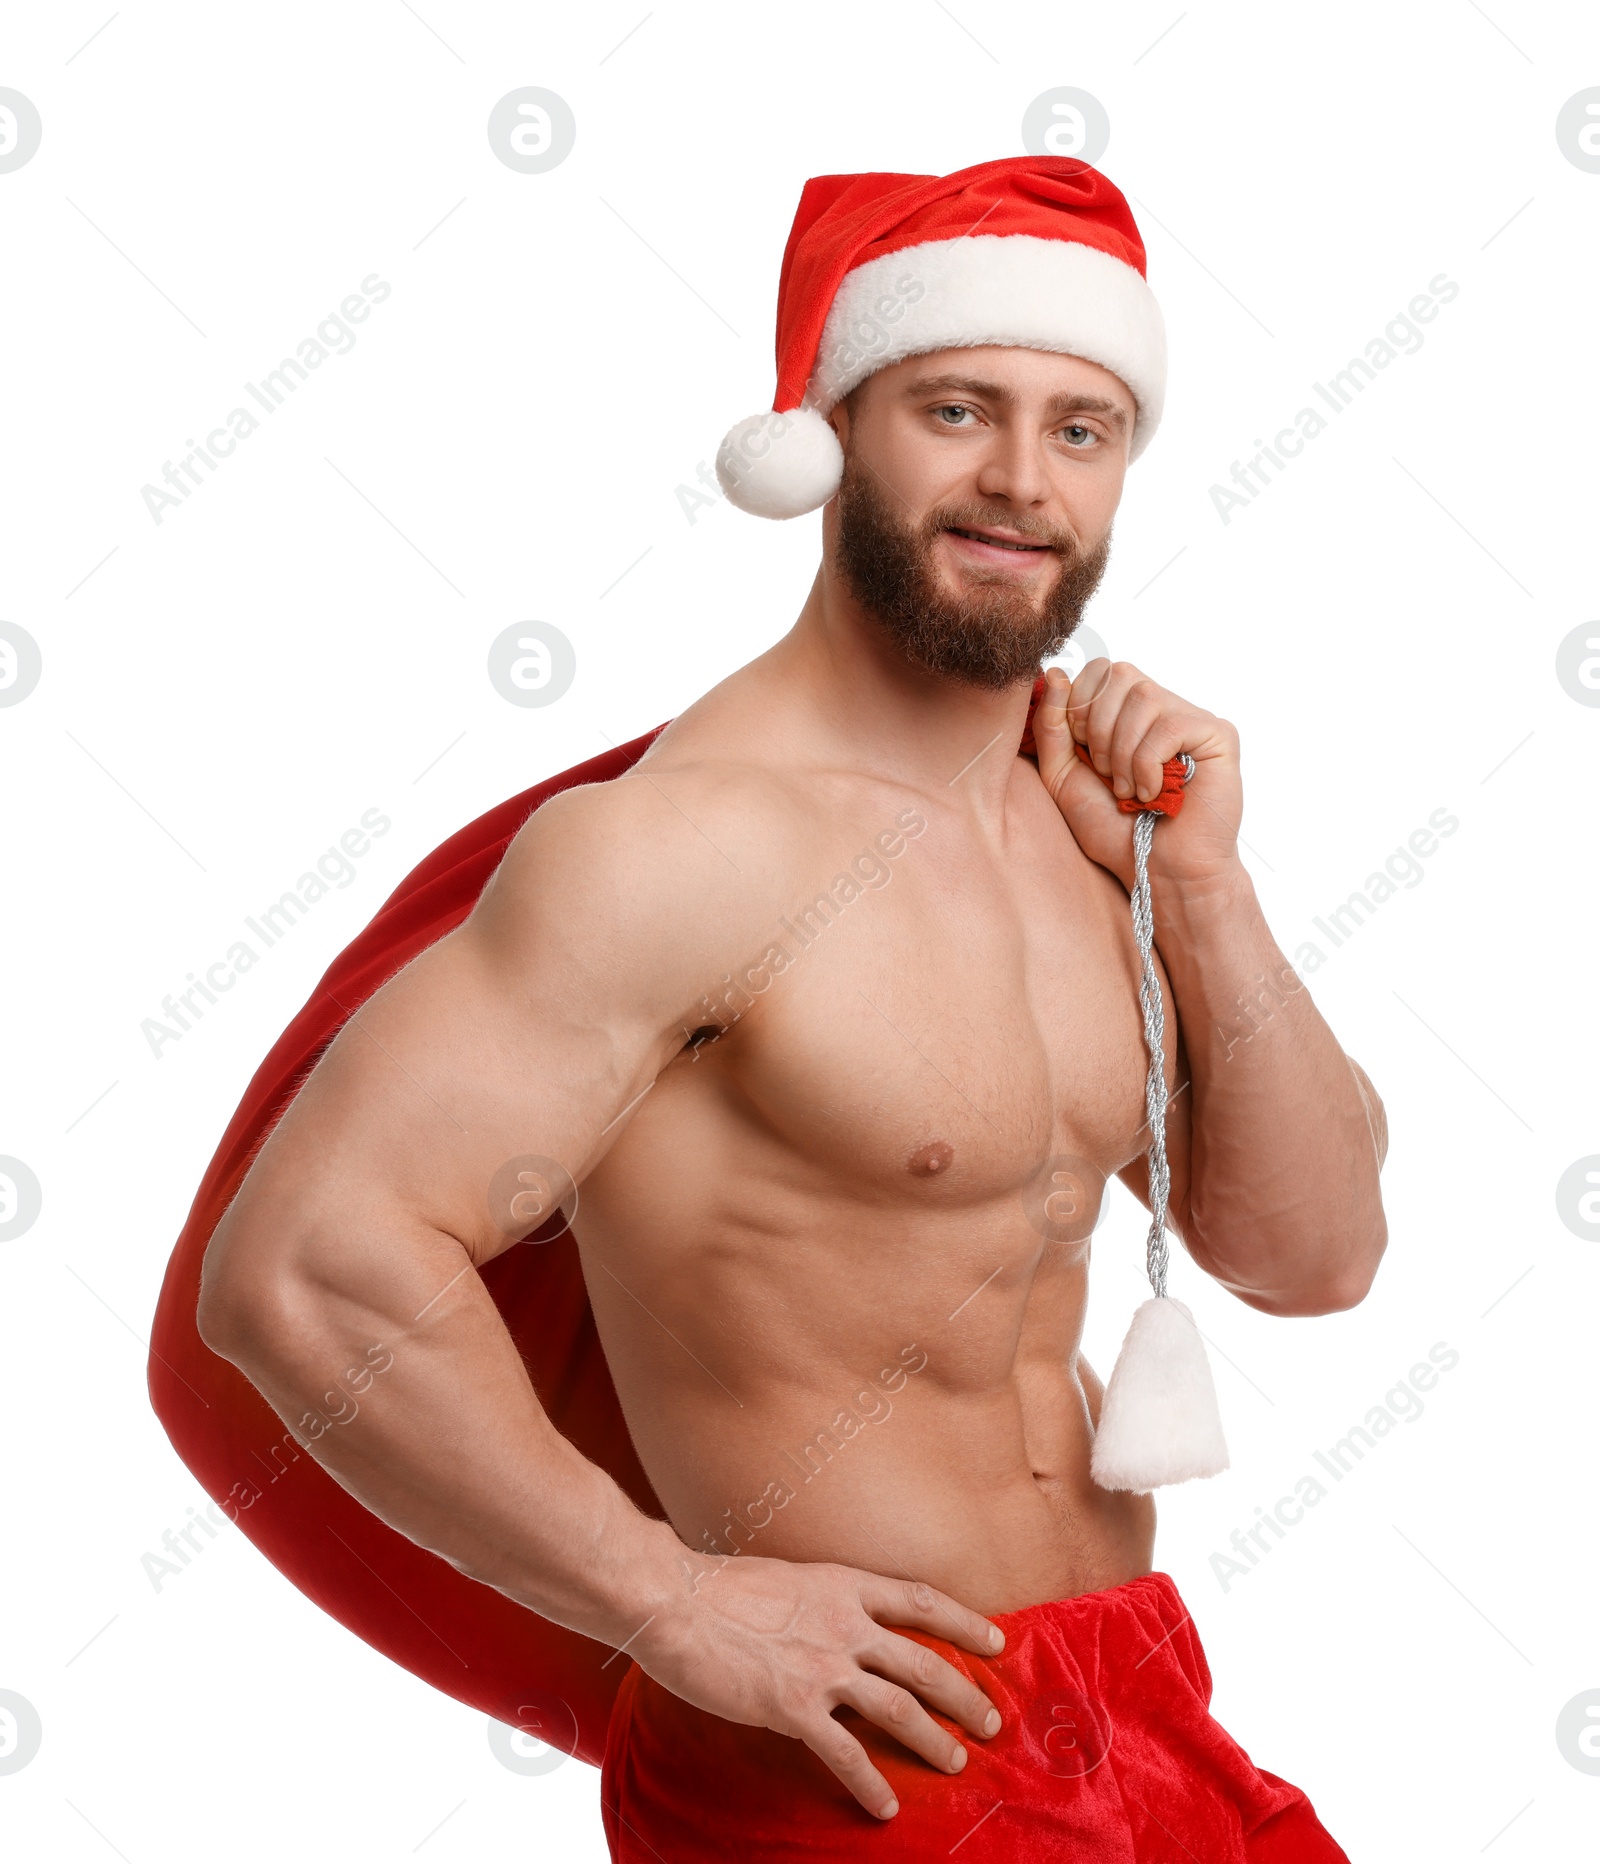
(226, 692)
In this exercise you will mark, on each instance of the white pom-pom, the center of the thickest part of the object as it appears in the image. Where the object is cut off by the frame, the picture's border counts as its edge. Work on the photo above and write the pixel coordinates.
(780, 465)
(1159, 1421)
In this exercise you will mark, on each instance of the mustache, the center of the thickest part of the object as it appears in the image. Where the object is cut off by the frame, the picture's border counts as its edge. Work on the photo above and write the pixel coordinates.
(989, 638)
(980, 518)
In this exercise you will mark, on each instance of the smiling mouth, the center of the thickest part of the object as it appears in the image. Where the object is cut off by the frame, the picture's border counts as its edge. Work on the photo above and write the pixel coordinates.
(996, 543)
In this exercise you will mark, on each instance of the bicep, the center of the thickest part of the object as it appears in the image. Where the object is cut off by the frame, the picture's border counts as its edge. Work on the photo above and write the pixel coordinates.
(487, 1075)
(457, 1066)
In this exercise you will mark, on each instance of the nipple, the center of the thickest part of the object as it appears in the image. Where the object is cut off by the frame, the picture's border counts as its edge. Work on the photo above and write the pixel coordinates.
(928, 1161)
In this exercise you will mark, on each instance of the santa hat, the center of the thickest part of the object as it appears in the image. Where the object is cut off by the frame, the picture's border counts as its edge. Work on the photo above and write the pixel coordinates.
(1034, 251)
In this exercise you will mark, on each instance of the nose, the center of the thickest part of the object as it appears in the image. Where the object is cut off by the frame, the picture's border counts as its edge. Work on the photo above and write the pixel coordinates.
(1014, 468)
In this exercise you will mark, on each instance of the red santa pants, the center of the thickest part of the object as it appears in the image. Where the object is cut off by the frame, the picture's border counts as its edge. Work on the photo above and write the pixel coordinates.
(1108, 1753)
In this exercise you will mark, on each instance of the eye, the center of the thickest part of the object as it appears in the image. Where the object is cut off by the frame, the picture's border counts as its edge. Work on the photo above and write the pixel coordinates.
(1079, 437)
(952, 408)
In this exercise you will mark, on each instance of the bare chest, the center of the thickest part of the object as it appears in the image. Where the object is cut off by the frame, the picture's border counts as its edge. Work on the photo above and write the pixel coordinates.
(942, 1033)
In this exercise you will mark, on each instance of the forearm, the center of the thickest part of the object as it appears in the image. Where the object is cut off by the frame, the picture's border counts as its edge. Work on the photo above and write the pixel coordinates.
(439, 1432)
(1283, 1202)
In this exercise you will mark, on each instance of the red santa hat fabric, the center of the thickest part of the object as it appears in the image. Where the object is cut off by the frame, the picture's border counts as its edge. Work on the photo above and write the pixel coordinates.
(1033, 251)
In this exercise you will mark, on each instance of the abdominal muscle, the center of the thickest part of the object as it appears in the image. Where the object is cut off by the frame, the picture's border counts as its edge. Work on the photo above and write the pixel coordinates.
(940, 1490)
(811, 1397)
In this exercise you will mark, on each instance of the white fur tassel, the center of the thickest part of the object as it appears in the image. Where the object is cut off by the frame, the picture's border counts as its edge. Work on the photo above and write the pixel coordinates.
(1159, 1420)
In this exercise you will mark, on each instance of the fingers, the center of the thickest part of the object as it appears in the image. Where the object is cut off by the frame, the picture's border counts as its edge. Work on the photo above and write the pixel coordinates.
(897, 1712)
(890, 1701)
(1050, 714)
(935, 1681)
(839, 1750)
(1052, 738)
(1094, 681)
(908, 1602)
(1130, 724)
(1097, 698)
(1143, 738)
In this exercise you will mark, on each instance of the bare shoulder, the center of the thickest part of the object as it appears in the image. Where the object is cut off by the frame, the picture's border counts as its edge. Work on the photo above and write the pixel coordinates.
(647, 875)
(742, 806)
(528, 1027)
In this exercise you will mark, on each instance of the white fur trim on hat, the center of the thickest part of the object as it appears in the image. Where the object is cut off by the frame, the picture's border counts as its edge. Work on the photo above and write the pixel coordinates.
(1013, 289)
(780, 465)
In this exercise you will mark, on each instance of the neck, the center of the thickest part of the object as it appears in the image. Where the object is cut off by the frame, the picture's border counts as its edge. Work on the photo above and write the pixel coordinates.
(891, 717)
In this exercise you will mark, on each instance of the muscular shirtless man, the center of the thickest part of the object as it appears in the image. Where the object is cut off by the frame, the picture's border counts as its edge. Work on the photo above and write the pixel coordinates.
(804, 1004)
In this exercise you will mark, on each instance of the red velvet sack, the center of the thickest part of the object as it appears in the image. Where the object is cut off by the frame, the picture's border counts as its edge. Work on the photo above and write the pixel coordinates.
(463, 1637)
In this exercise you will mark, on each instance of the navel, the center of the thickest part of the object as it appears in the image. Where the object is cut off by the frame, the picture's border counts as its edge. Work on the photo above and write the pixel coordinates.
(930, 1160)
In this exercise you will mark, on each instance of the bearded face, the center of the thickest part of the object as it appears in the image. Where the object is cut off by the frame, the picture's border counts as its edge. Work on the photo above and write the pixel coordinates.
(962, 611)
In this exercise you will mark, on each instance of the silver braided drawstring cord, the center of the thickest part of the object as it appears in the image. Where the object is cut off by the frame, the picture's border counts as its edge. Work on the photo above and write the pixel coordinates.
(1155, 1032)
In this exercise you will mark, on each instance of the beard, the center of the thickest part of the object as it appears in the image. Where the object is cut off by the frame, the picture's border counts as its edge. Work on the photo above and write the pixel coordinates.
(992, 636)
